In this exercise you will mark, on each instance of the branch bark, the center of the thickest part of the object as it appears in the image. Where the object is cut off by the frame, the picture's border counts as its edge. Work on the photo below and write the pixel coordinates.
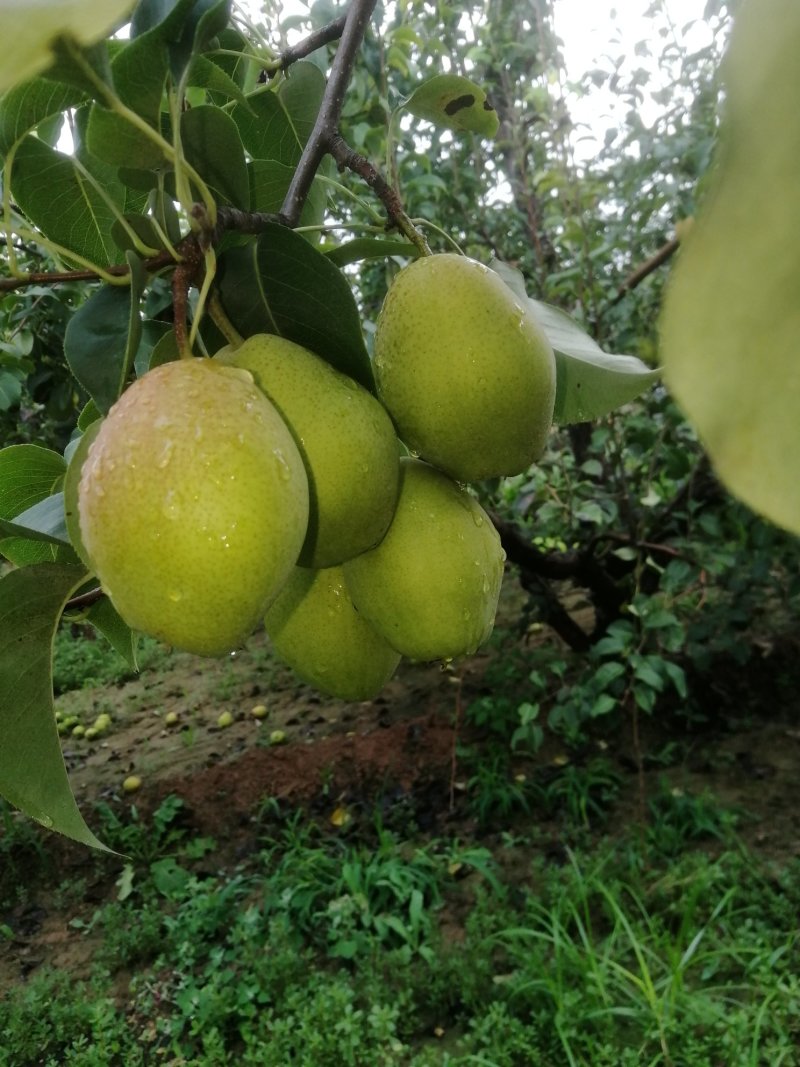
(637, 276)
(356, 21)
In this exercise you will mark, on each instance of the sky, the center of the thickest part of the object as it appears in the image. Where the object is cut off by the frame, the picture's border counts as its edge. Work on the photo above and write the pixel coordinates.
(590, 28)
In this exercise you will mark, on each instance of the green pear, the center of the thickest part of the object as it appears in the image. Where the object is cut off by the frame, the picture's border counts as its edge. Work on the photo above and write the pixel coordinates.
(193, 505)
(431, 586)
(347, 440)
(464, 369)
(71, 483)
(315, 628)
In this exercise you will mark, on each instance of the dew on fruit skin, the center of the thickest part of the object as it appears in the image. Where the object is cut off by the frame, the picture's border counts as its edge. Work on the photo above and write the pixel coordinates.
(477, 518)
(467, 615)
(486, 585)
(169, 509)
(166, 455)
(175, 595)
(283, 468)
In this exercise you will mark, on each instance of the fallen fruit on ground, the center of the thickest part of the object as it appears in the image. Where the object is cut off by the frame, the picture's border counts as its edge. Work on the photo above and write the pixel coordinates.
(132, 783)
(347, 441)
(430, 588)
(193, 505)
(259, 711)
(171, 718)
(464, 369)
(225, 719)
(315, 628)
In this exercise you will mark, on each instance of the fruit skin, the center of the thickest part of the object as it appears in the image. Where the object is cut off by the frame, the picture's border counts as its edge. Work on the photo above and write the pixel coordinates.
(465, 371)
(193, 504)
(132, 783)
(431, 586)
(347, 441)
(225, 719)
(315, 628)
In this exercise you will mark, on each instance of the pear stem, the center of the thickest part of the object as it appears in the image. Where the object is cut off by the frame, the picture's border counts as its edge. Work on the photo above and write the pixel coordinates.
(222, 322)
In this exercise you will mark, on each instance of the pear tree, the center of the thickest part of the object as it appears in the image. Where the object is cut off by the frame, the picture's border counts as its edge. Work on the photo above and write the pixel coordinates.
(256, 449)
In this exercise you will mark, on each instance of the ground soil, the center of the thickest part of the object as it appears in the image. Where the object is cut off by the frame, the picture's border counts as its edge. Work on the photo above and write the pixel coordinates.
(341, 758)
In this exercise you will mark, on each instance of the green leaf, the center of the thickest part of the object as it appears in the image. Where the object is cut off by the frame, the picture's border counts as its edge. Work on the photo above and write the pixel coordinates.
(29, 33)
(369, 248)
(207, 74)
(104, 616)
(28, 474)
(26, 105)
(114, 140)
(102, 337)
(730, 328)
(10, 390)
(43, 521)
(139, 71)
(212, 145)
(24, 552)
(589, 381)
(269, 183)
(32, 772)
(62, 202)
(456, 103)
(277, 123)
(186, 26)
(279, 284)
(71, 483)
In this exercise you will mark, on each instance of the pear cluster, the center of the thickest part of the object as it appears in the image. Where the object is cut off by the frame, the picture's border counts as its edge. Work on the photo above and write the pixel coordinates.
(263, 484)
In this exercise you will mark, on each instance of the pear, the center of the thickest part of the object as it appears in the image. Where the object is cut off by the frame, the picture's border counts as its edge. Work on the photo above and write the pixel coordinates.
(430, 588)
(315, 628)
(71, 483)
(193, 505)
(464, 369)
(347, 441)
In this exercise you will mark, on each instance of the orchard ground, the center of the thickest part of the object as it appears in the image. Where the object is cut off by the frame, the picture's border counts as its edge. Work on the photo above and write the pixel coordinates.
(405, 762)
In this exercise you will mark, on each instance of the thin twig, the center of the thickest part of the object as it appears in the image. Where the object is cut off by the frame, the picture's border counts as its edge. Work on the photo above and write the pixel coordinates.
(347, 158)
(327, 122)
(317, 39)
(653, 263)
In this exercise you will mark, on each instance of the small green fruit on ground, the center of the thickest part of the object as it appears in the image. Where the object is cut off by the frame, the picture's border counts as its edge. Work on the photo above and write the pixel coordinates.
(259, 711)
(464, 369)
(91, 733)
(431, 586)
(171, 718)
(277, 737)
(132, 783)
(347, 441)
(78, 731)
(315, 628)
(225, 719)
(193, 505)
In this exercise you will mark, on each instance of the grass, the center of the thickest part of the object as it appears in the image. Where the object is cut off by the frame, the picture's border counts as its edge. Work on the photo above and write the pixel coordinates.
(325, 949)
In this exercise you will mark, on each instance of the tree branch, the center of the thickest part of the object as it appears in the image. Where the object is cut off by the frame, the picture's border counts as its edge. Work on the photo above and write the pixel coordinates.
(318, 39)
(581, 567)
(356, 21)
(348, 159)
(653, 263)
